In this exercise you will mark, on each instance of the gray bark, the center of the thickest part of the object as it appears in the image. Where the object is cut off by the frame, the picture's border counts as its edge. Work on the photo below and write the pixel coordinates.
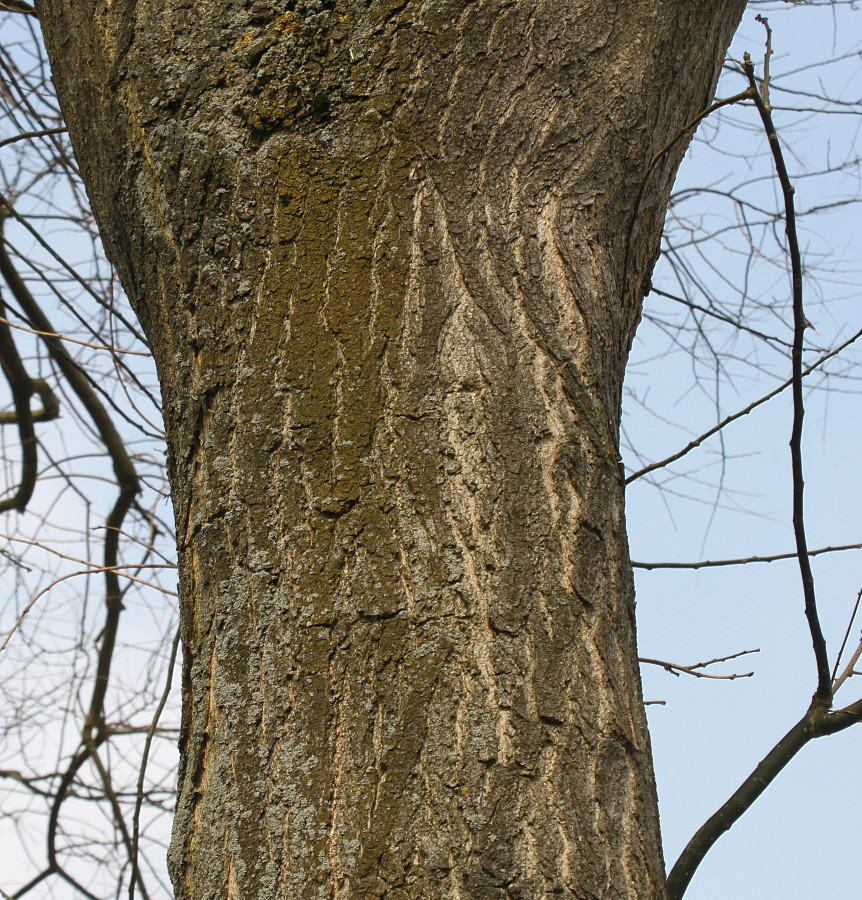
(389, 260)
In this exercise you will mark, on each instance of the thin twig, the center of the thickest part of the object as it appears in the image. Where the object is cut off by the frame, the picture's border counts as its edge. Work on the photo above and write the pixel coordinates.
(29, 135)
(694, 670)
(71, 340)
(847, 634)
(117, 811)
(743, 561)
(113, 571)
(823, 693)
(768, 338)
(693, 445)
(764, 82)
(849, 670)
(683, 132)
(17, 6)
(139, 797)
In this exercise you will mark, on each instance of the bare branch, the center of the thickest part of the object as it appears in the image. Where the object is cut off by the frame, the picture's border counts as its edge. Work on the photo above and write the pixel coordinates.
(812, 725)
(849, 669)
(694, 670)
(692, 445)
(823, 693)
(743, 561)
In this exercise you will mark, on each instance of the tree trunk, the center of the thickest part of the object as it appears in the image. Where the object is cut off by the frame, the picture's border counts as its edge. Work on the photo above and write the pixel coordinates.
(390, 257)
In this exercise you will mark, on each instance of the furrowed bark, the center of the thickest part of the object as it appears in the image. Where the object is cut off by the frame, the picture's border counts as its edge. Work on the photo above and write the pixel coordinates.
(383, 255)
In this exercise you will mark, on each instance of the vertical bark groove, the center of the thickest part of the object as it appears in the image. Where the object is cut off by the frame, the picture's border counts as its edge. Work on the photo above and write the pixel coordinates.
(378, 249)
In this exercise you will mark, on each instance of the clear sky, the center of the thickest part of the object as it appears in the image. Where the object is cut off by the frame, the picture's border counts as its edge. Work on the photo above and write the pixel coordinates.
(732, 500)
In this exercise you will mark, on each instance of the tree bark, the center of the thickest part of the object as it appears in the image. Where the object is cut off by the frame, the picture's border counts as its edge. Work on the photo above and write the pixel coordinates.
(390, 257)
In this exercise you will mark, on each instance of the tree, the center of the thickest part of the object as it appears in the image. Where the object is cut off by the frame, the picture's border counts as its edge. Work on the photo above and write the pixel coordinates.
(390, 261)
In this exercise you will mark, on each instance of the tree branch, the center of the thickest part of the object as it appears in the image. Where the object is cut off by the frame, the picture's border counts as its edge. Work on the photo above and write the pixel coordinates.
(812, 725)
(823, 694)
(742, 561)
(692, 445)
(676, 669)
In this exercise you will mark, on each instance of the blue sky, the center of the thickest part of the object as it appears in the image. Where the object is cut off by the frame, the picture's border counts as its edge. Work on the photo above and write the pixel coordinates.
(800, 840)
